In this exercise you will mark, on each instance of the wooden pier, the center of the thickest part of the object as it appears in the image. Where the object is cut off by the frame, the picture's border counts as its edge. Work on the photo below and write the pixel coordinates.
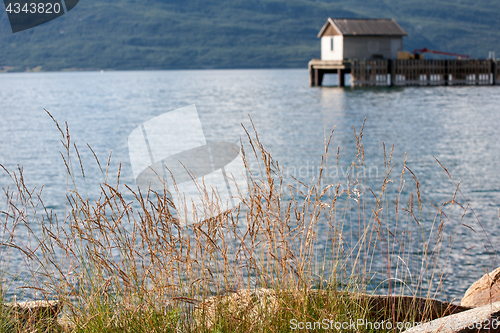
(407, 72)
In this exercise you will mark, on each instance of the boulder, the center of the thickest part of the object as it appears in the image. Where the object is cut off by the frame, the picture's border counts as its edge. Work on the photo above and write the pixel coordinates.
(251, 304)
(484, 291)
(396, 308)
(258, 304)
(34, 310)
(408, 308)
(481, 319)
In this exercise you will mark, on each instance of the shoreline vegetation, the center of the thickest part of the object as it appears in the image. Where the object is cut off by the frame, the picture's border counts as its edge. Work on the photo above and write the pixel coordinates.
(123, 263)
(39, 69)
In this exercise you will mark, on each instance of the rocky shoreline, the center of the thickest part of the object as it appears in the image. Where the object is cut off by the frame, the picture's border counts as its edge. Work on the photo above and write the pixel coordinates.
(479, 310)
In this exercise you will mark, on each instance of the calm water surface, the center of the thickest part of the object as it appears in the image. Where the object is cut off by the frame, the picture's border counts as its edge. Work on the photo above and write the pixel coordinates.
(456, 125)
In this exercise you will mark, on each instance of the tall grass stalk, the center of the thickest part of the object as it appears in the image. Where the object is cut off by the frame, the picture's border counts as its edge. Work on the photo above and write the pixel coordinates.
(123, 262)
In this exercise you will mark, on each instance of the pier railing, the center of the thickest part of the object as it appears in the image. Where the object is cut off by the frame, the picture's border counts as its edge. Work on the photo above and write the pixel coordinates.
(370, 72)
(423, 72)
(410, 72)
(419, 73)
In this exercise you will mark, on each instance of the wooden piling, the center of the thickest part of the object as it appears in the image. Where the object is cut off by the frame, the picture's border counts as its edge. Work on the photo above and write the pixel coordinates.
(318, 68)
(341, 75)
(496, 72)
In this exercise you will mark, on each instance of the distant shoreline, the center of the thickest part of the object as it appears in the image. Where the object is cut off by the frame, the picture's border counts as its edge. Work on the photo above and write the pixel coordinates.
(39, 69)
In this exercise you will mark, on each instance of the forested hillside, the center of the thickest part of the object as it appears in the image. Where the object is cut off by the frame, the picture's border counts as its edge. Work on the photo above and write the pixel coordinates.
(175, 34)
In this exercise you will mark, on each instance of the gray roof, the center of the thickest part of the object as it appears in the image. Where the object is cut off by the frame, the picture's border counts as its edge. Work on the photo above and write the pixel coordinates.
(364, 27)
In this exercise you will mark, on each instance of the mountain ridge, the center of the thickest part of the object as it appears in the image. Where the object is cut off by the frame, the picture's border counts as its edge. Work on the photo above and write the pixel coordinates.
(195, 34)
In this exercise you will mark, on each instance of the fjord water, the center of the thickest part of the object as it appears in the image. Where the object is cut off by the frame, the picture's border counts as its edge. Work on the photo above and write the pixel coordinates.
(456, 125)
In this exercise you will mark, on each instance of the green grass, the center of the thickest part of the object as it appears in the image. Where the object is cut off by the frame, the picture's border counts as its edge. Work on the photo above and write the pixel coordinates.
(122, 262)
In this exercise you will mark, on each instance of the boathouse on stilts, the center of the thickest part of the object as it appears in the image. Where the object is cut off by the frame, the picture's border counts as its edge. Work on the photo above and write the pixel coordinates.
(371, 51)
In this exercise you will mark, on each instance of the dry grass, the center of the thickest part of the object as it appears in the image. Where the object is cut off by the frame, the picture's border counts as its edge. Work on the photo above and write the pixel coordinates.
(123, 263)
